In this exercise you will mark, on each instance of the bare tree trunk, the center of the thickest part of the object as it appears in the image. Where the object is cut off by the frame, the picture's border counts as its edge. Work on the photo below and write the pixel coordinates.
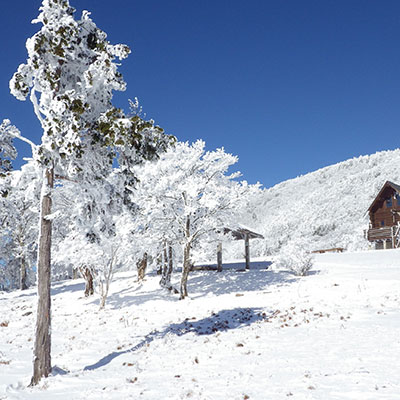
(163, 280)
(167, 269)
(42, 349)
(141, 267)
(159, 264)
(170, 264)
(22, 278)
(88, 277)
(165, 260)
(185, 271)
(108, 275)
(186, 260)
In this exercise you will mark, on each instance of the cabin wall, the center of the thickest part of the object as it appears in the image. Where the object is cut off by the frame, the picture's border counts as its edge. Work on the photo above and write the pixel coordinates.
(381, 215)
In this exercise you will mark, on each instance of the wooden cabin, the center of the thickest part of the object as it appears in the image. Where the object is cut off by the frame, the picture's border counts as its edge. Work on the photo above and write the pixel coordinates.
(384, 216)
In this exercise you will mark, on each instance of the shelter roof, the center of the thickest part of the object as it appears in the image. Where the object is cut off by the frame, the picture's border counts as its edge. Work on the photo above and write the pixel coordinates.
(240, 234)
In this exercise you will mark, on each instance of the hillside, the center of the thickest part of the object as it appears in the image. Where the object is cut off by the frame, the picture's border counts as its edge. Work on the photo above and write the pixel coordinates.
(254, 335)
(327, 207)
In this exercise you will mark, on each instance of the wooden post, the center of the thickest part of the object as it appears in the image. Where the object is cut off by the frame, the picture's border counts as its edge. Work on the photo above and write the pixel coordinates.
(393, 242)
(219, 257)
(247, 250)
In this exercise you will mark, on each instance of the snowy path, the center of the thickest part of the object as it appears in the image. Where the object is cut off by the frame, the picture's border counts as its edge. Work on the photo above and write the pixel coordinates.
(241, 335)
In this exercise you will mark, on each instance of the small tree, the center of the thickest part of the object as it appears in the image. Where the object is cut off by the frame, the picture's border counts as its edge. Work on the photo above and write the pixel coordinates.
(295, 257)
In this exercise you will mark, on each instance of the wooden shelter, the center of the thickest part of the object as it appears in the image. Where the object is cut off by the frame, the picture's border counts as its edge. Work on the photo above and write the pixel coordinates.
(384, 216)
(239, 234)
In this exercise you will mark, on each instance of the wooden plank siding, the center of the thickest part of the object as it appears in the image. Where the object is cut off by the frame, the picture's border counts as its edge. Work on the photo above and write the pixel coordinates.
(380, 233)
(383, 214)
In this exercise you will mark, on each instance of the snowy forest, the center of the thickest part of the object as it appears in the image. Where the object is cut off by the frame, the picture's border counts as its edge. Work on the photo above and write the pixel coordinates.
(108, 191)
(114, 189)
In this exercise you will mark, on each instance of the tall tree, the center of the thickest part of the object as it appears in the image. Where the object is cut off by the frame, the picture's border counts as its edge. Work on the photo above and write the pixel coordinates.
(70, 75)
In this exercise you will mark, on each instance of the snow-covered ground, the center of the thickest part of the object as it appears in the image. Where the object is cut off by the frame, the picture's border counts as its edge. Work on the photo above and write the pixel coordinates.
(261, 334)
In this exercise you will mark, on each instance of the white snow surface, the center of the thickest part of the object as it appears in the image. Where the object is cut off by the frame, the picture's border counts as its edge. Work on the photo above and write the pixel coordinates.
(260, 334)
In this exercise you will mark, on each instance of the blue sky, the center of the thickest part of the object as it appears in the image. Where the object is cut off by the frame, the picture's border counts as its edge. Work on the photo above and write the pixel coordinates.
(289, 86)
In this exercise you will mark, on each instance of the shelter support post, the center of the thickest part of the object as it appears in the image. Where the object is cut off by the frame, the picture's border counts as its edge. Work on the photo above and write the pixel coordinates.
(219, 257)
(247, 250)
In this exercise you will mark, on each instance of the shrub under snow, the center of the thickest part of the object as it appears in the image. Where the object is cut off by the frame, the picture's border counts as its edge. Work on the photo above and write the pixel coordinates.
(295, 257)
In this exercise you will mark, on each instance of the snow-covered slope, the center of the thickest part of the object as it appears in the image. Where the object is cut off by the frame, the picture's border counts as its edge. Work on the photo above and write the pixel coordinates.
(241, 335)
(328, 207)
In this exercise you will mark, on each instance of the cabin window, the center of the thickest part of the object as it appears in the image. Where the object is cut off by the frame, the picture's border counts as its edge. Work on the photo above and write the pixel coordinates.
(389, 202)
(398, 199)
(382, 223)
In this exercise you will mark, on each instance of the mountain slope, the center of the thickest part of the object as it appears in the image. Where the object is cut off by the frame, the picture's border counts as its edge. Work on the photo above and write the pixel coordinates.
(327, 207)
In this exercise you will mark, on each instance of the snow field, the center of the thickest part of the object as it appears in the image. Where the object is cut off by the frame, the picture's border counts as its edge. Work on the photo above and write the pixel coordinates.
(261, 334)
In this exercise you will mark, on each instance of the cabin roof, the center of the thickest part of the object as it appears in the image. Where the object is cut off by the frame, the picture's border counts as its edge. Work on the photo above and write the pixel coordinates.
(386, 185)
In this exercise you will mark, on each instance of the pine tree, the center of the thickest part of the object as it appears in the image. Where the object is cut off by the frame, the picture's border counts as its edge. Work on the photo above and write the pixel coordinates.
(70, 76)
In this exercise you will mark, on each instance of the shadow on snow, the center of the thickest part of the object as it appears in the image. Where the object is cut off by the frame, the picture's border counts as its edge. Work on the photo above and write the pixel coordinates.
(203, 283)
(228, 282)
(224, 320)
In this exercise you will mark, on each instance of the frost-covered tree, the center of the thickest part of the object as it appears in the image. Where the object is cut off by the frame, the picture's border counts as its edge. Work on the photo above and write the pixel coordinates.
(70, 76)
(18, 230)
(187, 196)
(96, 242)
(7, 149)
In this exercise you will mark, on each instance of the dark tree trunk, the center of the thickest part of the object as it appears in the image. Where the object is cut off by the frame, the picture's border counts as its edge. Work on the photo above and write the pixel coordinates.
(159, 264)
(167, 269)
(22, 281)
(170, 264)
(42, 349)
(247, 250)
(185, 271)
(186, 261)
(141, 267)
(88, 276)
(163, 281)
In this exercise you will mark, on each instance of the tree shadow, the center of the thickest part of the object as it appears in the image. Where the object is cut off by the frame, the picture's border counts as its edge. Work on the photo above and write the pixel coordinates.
(222, 321)
(28, 293)
(131, 296)
(203, 283)
(61, 287)
(227, 282)
(237, 265)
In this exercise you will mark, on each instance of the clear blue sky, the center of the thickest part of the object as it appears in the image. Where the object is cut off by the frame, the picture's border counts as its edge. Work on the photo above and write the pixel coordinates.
(289, 86)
